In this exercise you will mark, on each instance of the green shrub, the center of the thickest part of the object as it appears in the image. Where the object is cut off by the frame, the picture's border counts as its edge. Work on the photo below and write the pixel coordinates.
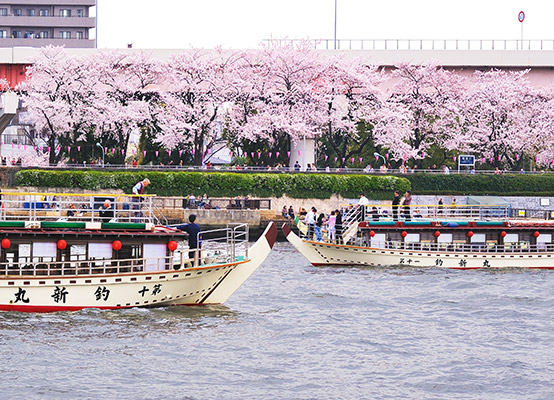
(220, 184)
(480, 184)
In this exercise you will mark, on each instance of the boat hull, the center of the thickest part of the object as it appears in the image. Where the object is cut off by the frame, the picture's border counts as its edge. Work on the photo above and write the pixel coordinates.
(208, 284)
(319, 254)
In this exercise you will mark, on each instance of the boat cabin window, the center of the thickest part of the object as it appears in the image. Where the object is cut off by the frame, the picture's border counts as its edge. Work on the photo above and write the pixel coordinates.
(411, 238)
(77, 252)
(379, 240)
(543, 240)
(132, 251)
(155, 256)
(100, 250)
(478, 238)
(24, 253)
(445, 238)
(44, 251)
(511, 238)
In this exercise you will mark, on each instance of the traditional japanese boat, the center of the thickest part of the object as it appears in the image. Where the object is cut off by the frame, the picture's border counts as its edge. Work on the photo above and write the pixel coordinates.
(458, 238)
(58, 254)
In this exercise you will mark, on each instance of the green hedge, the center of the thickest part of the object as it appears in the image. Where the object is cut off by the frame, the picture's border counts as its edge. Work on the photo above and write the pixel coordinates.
(480, 184)
(220, 184)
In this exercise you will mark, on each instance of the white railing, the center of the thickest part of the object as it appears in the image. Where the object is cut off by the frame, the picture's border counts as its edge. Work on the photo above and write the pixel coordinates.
(489, 247)
(221, 246)
(423, 44)
(436, 212)
(89, 267)
(69, 207)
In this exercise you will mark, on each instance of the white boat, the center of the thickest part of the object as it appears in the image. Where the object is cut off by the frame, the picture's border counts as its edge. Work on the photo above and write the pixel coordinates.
(469, 238)
(52, 261)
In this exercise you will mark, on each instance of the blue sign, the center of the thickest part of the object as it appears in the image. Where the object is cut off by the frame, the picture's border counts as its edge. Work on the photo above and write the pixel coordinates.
(466, 160)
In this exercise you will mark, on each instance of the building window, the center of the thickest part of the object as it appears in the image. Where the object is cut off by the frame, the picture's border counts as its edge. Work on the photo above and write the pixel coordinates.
(16, 34)
(44, 35)
(80, 13)
(3, 34)
(65, 12)
(30, 12)
(79, 35)
(43, 12)
(3, 12)
(65, 35)
(17, 12)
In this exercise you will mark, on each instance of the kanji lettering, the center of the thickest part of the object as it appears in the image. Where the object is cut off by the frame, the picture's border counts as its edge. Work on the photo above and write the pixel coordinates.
(20, 296)
(102, 293)
(59, 294)
(156, 289)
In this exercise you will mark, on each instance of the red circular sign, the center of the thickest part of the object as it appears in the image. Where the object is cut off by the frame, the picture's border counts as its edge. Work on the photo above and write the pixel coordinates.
(521, 16)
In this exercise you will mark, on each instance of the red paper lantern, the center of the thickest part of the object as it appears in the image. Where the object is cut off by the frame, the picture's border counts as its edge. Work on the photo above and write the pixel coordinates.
(6, 243)
(470, 234)
(62, 244)
(437, 233)
(503, 233)
(372, 233)
(535, 234)
(172, 245)
(116, 245)
(404, 233)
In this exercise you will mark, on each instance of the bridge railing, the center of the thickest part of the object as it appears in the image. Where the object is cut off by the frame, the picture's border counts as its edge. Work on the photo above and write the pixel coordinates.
(424, 44)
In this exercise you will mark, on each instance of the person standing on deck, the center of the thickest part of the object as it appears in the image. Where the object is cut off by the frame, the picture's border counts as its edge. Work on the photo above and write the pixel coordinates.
(338, 227)
(395, 204)
(331, 226)
(310, 222)
(407, 205)
(106, 212)
(362, 203)
(137, 190)
(193, 229)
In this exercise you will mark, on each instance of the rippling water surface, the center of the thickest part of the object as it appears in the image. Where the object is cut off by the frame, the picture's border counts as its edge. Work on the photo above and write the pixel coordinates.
(294, 331)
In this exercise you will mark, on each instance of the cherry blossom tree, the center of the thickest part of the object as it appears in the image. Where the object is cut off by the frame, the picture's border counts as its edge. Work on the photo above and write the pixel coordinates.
(350, 91)
(277, 98)
(422, 110)
(127, 85)
(497, 109)
(193, 92)
(59, 97)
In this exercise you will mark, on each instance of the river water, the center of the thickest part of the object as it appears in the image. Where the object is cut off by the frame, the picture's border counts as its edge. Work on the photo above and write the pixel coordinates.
(294, 331)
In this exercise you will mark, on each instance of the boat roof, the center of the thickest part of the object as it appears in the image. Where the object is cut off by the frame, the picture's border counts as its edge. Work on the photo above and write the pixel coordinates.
(86, 228)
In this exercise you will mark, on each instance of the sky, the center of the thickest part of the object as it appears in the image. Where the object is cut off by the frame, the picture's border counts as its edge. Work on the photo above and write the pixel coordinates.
(239, 24)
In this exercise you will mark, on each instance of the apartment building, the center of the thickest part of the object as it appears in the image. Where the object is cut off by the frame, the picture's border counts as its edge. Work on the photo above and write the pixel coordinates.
(37, 23)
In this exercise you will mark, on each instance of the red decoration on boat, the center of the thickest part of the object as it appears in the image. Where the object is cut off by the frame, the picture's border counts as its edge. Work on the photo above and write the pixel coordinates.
(404, 233)
(535, 234)
(6, 243)
(172, 245)
(470, 234)
(62, 244)
(372, 233)
(437, 233)
(116, 245)
(503, 233)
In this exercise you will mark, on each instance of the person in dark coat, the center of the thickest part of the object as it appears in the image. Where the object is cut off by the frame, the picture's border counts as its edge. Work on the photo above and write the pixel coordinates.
(338, 227)
(395, 204)
(193, 229)
(106, 212)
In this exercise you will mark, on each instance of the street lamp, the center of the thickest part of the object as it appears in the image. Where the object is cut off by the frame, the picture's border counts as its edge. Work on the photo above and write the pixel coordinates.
(335, 37)
(379, 155)
(101, 147)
